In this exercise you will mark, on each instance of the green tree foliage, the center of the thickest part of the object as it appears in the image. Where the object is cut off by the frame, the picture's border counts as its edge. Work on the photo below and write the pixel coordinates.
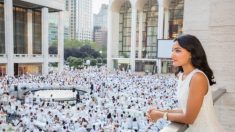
(53, 50)
(80, 49)
(75, 62)
(104, 61)
(99, 60)
(78, 44)
(93, 62)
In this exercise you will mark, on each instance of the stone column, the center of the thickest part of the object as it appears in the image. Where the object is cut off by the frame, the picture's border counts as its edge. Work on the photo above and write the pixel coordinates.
(140, 47)
(61, 41)
(166, 23)
(133, 38)
(160, 18)
(110, 35)
(45, 40)
(9, 38)
(163, 4)
(30, 31)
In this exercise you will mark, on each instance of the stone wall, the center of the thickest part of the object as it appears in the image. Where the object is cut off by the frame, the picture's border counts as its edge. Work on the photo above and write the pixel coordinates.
(213, 22)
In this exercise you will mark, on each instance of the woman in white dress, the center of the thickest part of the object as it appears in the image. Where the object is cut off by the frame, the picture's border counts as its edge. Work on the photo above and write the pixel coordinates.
(193, 91)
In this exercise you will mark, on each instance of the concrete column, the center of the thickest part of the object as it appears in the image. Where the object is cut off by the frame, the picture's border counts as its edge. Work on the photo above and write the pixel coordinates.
(30, 31)
(140, 47)
(61, 41)
(8, 16)
(133, 37)
(159, 66)
(45, 40)
(110, 35)
(166, 23)
(160, 19)
(162, 5)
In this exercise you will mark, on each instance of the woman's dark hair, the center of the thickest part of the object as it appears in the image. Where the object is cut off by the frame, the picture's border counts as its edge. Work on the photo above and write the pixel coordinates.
(198, 55)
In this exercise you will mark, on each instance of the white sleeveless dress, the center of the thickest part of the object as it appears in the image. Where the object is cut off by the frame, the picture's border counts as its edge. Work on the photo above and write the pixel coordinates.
(206, 120)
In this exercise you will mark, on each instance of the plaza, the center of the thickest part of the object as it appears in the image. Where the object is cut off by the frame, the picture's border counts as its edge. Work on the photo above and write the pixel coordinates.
(135, 28)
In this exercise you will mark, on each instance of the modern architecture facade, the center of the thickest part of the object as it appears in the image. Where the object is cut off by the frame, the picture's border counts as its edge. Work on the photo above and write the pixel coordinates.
(135, 26)
(100, 36)
(24, 36)
(85, 20)
(72, 8)
(53, 26)
(80, 25)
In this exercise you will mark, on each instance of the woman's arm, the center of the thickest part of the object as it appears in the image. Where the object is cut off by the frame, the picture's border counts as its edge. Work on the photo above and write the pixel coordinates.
(176, 110)
(198, 89)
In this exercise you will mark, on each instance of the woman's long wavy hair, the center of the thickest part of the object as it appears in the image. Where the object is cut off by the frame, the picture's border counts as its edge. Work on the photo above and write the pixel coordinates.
(198, 55)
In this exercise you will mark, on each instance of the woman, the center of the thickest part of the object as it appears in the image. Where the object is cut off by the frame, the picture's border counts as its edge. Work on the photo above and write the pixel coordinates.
(193, 91)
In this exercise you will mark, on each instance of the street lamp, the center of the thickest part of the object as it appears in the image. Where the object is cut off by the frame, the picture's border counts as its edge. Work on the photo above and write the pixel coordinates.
(101, 53)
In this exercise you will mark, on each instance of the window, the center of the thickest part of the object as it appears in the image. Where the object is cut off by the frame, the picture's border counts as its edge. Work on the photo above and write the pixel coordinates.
(20, 30)
(37, 33)
(176, 18)
(150, 23)
(2, 30)
(125, 30)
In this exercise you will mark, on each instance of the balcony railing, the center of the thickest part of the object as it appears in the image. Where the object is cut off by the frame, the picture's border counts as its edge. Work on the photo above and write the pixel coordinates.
(54, 55)
(179, 127)
(28, 56)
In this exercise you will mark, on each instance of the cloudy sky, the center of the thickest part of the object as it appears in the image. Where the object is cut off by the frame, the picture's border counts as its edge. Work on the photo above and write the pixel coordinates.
(97, 4)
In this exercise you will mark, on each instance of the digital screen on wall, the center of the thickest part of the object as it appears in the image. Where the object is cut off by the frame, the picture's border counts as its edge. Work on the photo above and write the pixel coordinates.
(164, 48)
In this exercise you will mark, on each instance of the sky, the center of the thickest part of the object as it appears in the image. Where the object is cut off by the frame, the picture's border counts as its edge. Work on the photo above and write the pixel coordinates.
(97, 4)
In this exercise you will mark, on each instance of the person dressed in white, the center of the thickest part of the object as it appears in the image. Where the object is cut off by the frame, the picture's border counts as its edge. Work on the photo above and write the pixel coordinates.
(194, 94)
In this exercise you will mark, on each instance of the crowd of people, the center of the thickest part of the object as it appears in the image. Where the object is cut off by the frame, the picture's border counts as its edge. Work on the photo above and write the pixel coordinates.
(117, 101)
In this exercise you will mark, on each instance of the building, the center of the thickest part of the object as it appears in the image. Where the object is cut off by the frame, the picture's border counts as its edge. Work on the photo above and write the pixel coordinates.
(100, 26)
(85, 20)
(135, 26)
(80, 26)
(53, 26)
(102, 17)
(24, 36)
(100, 35)
(72, 8)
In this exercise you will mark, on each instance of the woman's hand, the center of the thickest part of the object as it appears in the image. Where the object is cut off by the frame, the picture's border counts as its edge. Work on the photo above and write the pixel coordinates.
(153, 114)
(152, 108)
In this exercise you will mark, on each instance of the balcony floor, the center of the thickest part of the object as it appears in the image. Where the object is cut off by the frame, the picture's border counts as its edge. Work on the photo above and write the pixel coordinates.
(225, 110)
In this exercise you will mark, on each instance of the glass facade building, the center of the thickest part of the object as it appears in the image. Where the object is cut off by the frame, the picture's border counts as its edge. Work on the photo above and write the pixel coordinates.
(153, 20)
(24, 36)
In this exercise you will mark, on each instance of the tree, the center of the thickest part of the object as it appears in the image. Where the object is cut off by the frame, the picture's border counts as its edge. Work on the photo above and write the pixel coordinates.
(104, 60)
(79, 49)
(99, 62)
(75, 62)
(53, 50)
(93, 62)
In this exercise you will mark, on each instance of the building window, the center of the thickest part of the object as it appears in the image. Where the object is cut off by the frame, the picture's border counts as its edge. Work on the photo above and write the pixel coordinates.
(20, 30)
(125, 30)
(37, 33)
(2, 30)
(150, 26)
(176, 18)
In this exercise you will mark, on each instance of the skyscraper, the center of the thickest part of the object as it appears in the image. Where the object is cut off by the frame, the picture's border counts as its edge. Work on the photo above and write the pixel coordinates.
(102, 17)
(80, 25)
(100, 25)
